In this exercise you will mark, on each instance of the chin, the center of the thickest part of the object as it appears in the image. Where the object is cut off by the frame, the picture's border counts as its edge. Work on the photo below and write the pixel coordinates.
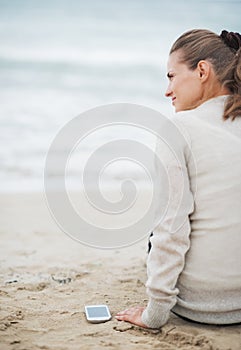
(181, 109)
(178, 109)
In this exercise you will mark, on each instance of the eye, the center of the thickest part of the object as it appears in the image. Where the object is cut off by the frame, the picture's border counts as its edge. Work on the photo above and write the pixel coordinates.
(170, 76)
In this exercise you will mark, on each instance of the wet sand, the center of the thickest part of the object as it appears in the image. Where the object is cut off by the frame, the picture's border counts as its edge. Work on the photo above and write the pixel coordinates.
(46, 278)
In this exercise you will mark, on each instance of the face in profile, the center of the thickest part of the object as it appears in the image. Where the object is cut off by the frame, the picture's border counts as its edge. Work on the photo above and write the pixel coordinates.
(185, 87)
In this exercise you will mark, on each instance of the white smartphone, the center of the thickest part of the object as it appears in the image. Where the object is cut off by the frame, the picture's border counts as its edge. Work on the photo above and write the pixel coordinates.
(97, 313)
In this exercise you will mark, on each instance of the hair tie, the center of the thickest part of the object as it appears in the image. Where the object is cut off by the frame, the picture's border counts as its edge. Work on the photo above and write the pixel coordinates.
(231, 39)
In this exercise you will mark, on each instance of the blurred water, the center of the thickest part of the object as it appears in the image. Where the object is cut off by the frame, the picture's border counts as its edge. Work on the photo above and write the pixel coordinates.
(59, 58)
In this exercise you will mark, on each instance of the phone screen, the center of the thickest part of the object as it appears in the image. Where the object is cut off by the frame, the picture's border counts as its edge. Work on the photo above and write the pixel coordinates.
(99, 311)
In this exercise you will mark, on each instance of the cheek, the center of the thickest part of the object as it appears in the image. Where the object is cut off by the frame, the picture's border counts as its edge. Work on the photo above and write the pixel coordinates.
(192, 87)
(196, 92)
(190, 95)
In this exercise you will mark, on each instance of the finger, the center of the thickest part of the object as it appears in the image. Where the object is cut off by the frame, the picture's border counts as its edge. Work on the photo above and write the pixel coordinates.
(127, 311)
(122, 317)
(122, 312)
(129, 315)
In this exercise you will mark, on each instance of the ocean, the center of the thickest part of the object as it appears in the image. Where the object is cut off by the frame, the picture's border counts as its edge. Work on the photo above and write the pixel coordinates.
(61, 58)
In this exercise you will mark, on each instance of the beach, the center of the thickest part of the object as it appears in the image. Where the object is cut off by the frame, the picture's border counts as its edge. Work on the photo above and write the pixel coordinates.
(59, 59)
(47, 278)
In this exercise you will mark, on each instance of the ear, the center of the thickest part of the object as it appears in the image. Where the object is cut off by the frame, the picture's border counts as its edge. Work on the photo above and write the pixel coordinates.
(203, 68)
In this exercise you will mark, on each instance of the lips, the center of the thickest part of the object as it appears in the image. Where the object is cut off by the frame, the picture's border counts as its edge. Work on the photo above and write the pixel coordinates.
(173, 99)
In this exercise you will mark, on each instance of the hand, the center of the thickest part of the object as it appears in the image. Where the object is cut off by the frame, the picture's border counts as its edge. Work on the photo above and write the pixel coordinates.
(132, 315)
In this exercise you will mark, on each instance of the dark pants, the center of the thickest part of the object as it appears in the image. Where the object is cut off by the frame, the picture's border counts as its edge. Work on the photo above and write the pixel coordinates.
(149, 243)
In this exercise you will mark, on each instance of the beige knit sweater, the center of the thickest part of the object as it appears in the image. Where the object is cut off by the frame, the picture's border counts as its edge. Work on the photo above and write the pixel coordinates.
(194, 267)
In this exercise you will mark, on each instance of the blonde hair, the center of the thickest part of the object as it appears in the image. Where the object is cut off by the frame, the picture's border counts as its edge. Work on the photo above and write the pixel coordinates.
(224, 53)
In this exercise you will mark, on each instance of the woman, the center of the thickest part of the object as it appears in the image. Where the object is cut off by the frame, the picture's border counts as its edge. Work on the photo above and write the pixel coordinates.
(196, 272)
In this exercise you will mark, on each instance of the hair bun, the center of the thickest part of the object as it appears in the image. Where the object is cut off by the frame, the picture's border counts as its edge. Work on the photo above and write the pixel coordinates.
(231, 39)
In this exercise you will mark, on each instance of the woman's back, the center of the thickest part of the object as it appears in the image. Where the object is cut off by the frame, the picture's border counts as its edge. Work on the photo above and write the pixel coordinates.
(211, 279)
(194, 265)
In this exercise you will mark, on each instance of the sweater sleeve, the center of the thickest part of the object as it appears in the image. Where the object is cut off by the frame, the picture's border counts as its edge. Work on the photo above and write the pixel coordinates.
(170, 240)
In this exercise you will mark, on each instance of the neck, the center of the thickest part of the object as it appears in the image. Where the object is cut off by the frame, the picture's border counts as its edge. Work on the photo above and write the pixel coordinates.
(214, 90)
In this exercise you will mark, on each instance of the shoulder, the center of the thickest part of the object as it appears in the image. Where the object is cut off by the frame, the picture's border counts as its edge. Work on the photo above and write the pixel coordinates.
(182, 121)
(208, 113)
(212, 106)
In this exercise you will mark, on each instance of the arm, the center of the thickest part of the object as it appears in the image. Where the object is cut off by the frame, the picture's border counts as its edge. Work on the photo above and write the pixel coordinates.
(170, 240)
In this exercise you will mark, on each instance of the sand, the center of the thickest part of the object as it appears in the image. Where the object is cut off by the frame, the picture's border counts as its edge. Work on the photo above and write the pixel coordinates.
(46, 278)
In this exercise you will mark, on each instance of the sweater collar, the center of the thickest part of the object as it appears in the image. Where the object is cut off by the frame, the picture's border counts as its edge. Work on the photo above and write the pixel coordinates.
(215, 100)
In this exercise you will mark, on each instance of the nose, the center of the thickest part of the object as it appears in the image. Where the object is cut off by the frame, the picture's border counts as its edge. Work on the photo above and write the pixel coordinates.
(168, 91)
